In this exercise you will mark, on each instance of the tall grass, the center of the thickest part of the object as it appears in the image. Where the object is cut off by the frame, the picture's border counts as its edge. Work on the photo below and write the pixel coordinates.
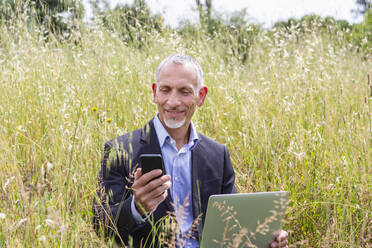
(296, 116)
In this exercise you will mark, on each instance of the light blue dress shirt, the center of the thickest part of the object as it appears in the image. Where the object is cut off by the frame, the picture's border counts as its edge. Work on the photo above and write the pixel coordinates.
(177, 164)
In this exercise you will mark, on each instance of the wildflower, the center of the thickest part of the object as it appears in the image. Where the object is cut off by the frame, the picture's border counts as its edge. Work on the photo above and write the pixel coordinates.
(49, 166)
(9, 180)
(109, 120)
(108, 109)
(94, 109)
(2, 216)
(50, 222)
(22, 221)
(42, 238)
(21, 129)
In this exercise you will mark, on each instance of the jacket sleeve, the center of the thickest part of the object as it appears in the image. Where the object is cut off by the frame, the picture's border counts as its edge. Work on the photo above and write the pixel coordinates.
(228, 184)
(112, 206)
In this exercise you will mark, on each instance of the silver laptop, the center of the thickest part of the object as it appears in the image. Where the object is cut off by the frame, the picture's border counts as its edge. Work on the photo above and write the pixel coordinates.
(243, 220)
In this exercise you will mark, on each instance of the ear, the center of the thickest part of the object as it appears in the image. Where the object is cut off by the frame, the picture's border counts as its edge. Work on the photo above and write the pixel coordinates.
(201, 97)
(154, 90)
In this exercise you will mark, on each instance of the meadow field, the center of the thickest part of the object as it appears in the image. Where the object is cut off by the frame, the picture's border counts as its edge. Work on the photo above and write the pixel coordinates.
(295, 116)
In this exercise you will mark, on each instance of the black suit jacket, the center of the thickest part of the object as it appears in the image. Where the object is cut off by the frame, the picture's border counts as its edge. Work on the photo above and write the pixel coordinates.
(212, 173)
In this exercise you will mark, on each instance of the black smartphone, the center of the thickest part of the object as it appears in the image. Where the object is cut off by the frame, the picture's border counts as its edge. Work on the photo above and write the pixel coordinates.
(151, 162)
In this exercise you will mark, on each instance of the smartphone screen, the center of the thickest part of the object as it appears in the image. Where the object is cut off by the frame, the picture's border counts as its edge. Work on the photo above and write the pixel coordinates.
(151, 162)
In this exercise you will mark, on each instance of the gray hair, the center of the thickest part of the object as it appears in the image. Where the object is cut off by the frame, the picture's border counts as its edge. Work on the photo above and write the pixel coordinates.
(182, 59)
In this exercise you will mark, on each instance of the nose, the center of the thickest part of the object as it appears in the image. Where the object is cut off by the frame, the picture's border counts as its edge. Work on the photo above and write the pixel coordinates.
(173, 99)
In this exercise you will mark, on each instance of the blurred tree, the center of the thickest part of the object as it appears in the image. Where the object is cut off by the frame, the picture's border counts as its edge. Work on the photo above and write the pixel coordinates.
(362, 33)
(239, 17)
(364, 6)
(56, 15)
(311, 22)
(232, 30)
(338, 30)
(205, 11)
(134, 23)
(99, 7)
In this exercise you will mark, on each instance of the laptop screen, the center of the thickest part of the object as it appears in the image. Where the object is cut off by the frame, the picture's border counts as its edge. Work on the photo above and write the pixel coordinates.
(243, 220)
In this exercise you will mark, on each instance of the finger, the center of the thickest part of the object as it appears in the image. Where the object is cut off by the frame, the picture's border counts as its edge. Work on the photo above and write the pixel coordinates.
(283, 243)
(137, 174)
(160, 190)
(137, 184)
(154, 203)
(156, 183)
(283, 235)
(146, 192)
(143, 179)
(274, 244)
(150, 175)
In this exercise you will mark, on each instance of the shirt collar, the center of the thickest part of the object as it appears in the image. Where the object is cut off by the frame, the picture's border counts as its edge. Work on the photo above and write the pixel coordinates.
(162, 133)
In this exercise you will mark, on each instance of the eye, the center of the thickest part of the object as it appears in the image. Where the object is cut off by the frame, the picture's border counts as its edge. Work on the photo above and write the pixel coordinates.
(186, 92)
(164, 89)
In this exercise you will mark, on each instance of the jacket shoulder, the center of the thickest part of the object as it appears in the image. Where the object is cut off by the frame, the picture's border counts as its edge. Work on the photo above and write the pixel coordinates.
(124, 140)
(210, 143)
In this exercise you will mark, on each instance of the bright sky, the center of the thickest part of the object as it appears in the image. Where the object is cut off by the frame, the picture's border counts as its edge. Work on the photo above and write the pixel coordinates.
(266, 12)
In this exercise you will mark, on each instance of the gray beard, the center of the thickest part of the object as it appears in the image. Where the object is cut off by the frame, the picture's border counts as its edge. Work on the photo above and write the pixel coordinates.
(174, 125)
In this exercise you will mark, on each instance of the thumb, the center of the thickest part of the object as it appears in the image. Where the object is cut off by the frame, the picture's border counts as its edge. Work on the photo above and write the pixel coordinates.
(137, 174)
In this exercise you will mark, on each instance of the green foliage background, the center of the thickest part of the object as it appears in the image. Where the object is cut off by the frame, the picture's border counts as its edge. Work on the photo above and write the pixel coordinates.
(293, 104)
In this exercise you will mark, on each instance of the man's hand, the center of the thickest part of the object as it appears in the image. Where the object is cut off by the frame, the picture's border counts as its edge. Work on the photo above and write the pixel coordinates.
(149, 194)
(280, 240)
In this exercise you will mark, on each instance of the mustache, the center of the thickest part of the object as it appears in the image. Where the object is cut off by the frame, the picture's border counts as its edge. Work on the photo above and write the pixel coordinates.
(175, 109)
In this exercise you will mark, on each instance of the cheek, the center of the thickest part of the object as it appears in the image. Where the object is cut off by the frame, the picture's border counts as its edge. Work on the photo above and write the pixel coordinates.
(158, 99)
(191, 106)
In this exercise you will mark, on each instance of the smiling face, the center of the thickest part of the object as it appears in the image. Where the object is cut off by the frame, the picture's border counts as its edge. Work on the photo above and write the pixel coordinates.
(176, 95)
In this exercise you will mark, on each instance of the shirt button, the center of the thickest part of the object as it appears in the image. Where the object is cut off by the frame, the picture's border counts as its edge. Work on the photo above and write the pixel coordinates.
(176, 178)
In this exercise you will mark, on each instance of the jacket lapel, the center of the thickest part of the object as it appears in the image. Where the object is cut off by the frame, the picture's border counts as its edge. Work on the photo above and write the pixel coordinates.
(150, 145)
(149, 140)
(195, 167)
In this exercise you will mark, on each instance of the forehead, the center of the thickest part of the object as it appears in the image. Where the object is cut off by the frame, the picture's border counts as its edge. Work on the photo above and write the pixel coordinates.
(178, 73)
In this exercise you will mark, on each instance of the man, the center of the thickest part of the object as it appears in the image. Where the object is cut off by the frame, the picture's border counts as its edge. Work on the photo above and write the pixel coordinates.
(132, 204)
